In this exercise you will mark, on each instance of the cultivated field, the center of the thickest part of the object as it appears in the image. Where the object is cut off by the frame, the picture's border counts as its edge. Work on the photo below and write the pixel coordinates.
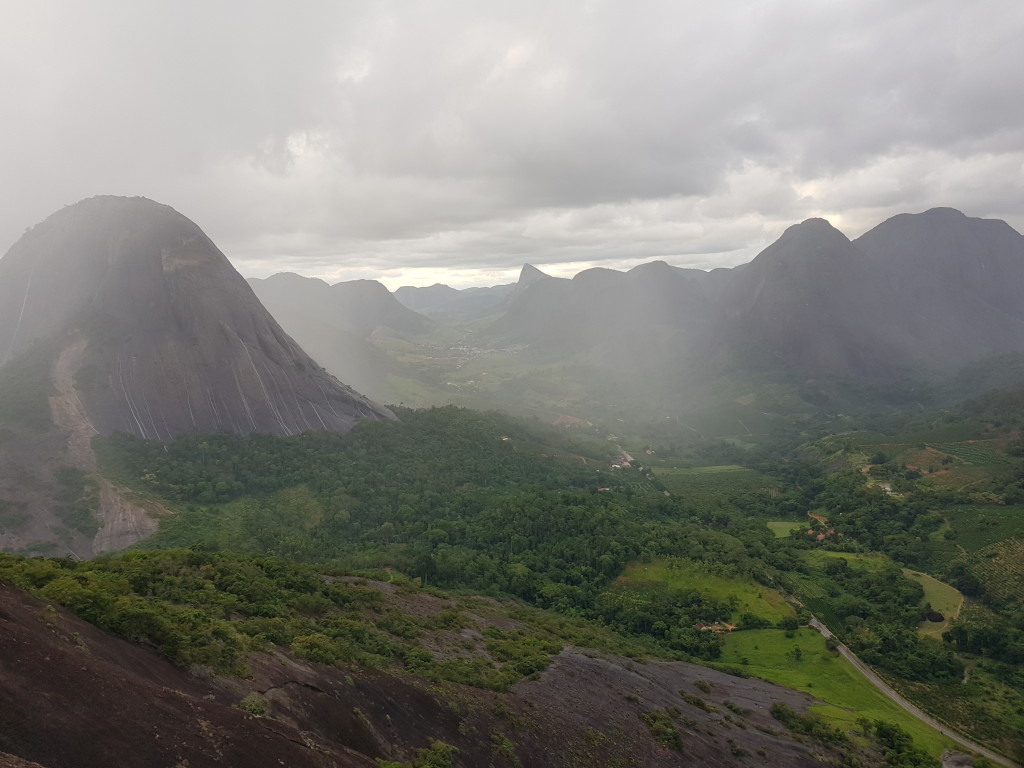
(1000, 567)
(979, 526)
(713, 481)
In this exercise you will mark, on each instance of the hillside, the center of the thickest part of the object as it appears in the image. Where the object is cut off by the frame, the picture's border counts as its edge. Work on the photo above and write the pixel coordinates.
(363, 673)
(336, 323)
(446, 304)
(158, 334)
(120, 315)
(920, 307)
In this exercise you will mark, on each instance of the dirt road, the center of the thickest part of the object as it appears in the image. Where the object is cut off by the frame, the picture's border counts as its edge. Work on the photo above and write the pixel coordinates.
(901, 702)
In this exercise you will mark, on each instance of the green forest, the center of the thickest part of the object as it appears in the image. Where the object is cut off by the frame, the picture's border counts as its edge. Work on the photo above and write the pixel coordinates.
(267, 534)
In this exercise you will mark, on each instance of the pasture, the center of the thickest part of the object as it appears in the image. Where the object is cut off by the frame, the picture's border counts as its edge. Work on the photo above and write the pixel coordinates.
(718, 581)
(847, 695)
(782, 528)
(942, 597)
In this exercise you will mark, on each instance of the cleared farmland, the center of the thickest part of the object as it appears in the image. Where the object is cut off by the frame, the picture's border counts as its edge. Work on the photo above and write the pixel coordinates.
(720, 480)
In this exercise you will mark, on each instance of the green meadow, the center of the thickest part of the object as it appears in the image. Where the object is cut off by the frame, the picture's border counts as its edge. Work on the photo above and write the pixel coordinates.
(943, 598)
(782, 528)
(847, 695)
(714, 579)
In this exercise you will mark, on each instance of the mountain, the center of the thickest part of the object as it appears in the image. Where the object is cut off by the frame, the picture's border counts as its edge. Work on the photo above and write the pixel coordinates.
(811, 303)
(451, 305)
(957, 281)
(120, 315)
(917, 296)
(909, 310)
(804, 302)
(357, 306)
(334, 323)
(606, 310)
(530, 274)
(159, 335)
(426, 298)
(909, 302)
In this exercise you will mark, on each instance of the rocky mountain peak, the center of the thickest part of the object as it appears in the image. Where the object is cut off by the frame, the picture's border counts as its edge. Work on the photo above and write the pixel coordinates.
(168, 337)
(530, 274)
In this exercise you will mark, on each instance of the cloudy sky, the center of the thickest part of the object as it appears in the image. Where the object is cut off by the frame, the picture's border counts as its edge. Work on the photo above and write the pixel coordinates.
(452, 141)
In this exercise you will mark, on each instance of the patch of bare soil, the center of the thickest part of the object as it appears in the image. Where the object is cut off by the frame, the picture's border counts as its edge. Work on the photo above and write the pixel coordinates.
(68, 411)
(125, 519)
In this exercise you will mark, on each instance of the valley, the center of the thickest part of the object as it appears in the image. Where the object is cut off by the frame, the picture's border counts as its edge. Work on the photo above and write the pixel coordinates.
(451, 384)
(597, 523)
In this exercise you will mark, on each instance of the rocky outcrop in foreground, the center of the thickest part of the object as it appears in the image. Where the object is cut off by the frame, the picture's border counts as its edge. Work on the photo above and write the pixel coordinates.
(75, 697)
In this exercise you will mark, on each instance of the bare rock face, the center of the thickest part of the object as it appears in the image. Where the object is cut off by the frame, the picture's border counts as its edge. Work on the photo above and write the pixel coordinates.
(919, 294)
(172, 338)
(811, 303)
(134, 321)
(75, 697)
(961, 275)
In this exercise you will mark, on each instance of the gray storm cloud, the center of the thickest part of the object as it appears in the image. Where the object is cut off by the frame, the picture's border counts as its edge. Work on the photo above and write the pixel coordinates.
(418, 141)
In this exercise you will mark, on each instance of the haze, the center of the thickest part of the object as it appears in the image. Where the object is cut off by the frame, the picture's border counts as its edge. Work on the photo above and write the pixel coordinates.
(454, 141)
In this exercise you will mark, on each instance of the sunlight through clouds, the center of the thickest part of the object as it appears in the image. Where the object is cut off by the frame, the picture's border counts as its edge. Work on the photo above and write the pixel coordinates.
(464, 139)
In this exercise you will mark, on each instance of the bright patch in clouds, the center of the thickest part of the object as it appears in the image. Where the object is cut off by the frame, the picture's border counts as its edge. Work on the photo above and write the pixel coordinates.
(454, 141)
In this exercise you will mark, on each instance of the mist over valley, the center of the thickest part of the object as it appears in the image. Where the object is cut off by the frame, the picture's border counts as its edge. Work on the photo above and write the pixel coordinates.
(512, 385)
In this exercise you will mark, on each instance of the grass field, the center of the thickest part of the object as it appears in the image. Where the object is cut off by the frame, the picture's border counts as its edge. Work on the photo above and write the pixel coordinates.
(715, 580)
(782, 528)
(769, 654)
(944, 598)
(712, 481)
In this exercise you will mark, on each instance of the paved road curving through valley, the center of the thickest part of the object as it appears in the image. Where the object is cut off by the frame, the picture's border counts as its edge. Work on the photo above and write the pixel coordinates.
(901, 702)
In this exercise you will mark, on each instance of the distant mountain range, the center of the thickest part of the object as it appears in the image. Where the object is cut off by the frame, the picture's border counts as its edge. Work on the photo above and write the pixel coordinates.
(917, 297)
(126, 317)
(334, 322)
(447, 304)
(156, 334)
(933, 291)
